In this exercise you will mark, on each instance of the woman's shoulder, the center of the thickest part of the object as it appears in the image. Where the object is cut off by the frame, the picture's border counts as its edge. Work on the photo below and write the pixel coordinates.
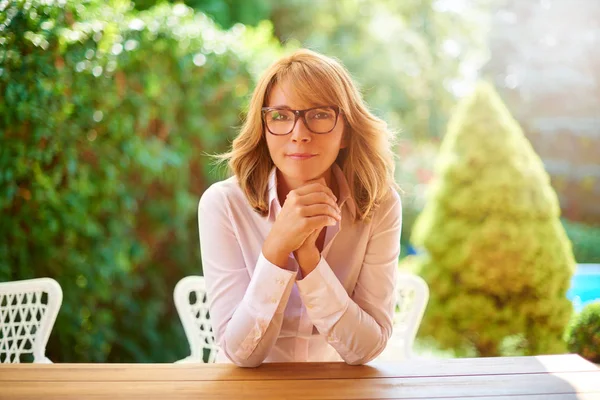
(221, 193)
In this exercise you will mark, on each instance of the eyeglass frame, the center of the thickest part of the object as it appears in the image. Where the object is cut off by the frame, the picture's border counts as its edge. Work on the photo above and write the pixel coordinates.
(297, 115)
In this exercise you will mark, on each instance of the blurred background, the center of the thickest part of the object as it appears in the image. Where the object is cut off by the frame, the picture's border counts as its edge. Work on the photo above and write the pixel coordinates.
(109, 109)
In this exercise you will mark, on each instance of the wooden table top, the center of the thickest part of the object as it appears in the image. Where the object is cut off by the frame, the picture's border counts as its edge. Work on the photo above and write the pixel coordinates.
(511, 378)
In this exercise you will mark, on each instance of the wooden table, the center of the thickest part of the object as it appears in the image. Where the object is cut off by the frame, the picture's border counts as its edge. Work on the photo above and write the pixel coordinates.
(511, 378)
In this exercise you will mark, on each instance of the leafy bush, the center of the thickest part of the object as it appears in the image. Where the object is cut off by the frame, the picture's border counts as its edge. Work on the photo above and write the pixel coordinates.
(585, 240)
(104, 123)
(583, 333)
(498, 261)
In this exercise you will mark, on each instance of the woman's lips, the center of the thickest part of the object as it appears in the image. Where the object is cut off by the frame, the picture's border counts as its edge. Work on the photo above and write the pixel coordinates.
(301, 156)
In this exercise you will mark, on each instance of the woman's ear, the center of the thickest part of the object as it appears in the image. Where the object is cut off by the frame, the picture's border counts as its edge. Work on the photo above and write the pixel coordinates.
(345, 136)
(344, 142)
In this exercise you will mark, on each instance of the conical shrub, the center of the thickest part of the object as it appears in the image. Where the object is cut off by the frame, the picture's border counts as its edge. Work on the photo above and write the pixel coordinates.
(496, 257)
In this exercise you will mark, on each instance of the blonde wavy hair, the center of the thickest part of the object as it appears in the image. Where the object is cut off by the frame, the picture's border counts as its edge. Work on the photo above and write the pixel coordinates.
(368, 160)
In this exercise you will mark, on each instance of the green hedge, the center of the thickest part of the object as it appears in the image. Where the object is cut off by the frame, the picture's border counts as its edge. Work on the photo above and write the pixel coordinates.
(583, 333)
(585, 240)
(106, 116)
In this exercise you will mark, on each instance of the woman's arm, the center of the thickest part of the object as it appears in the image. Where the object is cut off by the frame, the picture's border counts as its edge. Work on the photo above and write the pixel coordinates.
(246, 312)
(359, 327)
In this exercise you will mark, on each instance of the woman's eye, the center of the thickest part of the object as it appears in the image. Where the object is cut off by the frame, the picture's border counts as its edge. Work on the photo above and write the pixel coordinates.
(279, 117)
(322, 115)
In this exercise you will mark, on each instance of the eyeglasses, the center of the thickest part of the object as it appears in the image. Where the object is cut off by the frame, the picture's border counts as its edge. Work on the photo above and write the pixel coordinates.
(281, 121)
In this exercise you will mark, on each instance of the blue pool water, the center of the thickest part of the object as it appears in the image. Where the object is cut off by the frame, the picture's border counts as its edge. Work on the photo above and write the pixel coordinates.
(585, 285)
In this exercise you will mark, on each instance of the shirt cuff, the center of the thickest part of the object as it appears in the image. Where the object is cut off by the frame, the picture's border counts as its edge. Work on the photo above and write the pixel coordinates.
(267, 289)
(267, 295)
(324, 296)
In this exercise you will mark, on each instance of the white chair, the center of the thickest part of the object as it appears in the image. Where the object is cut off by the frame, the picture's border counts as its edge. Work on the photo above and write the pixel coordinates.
(28, 310)
(412, 295)
(192, 306)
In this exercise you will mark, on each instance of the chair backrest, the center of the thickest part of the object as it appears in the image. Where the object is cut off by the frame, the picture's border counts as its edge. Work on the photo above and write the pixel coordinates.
(28, 310)
(412, 295)
(192, 306)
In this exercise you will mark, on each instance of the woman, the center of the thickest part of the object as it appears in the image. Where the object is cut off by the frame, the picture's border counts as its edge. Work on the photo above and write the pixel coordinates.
(300, 246)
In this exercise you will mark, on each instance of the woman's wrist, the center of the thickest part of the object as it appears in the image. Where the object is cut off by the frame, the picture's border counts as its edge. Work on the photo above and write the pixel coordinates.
(308, 259)
(274, 255)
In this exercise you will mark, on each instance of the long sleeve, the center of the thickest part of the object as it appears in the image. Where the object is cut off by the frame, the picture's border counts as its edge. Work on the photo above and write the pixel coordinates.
(246, 312)
(359, 326)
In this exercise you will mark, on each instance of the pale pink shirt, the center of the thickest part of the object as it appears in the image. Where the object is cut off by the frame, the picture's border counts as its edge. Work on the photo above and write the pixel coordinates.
(342, 310)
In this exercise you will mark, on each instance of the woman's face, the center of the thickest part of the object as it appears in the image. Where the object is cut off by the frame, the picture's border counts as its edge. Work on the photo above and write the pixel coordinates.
(302, 155)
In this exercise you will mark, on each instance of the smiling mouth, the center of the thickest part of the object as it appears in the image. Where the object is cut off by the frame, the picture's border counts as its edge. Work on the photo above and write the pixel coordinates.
(301, 156)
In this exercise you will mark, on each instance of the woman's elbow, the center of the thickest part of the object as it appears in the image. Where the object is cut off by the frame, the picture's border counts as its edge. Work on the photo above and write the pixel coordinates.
(249, 362)
(356, 362)
(368, 357)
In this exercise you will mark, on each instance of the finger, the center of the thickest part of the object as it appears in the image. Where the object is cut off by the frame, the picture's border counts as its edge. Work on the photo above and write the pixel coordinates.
(320, 180)
(311, 188)
(318, 198)
(320, 221)
(320, 209)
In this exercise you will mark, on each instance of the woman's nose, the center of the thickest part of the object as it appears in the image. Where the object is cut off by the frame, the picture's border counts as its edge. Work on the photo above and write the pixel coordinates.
(300, 133)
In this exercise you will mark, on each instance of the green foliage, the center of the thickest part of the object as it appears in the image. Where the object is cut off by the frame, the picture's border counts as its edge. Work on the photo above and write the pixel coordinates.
(226, 13)
(583, 333)
(586, 241)
(229, 12)
(106, 116)
(497, 261)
